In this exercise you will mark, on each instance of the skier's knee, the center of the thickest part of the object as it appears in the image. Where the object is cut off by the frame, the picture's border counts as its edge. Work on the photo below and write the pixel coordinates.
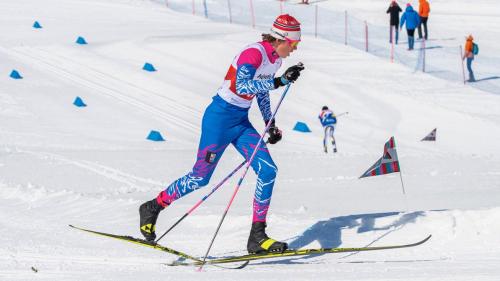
(195, 182)
(203, 181)
(269, 173)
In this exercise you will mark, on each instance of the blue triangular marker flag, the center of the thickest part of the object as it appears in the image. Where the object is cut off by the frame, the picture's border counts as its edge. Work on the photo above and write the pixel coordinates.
(37, 25)
(15, 75)
(155, 136)
(80, 40)
(79, 102)
(301, 127)
(149, 67)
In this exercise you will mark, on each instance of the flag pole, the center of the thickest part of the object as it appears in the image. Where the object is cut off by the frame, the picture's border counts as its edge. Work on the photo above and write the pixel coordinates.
(403, 188)
(402, 184)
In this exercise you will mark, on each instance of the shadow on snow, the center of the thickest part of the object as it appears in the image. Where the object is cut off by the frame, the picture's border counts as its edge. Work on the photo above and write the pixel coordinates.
(328, 233)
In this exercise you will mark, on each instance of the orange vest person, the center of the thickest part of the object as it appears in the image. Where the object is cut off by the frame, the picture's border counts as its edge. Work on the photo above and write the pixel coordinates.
(423, 11)
(469, 55)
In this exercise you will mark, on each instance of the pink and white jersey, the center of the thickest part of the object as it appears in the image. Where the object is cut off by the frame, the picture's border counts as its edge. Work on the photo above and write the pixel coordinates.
(264, 71)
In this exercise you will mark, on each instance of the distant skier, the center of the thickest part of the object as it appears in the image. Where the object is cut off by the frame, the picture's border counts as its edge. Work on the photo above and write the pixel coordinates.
(424, 9)
(225, 121)
(412, 20)
(469, 50)
(394, 11)
(305, 1)
(328, 121)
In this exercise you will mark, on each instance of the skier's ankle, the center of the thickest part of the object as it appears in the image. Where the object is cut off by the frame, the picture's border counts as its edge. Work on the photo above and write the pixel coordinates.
(163, 199)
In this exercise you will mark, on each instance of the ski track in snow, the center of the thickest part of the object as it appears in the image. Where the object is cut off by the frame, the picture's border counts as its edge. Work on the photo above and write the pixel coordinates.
(131, 181)
(97, 81)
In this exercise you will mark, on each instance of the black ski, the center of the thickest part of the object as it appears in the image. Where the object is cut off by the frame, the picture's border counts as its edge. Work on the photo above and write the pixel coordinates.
(298, 252)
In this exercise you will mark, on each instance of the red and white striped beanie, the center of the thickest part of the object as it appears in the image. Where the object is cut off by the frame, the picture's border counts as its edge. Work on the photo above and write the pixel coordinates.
(286, 26)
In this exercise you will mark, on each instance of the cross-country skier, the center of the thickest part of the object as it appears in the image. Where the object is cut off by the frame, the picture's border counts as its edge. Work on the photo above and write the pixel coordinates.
(225, 121)
(328, 121)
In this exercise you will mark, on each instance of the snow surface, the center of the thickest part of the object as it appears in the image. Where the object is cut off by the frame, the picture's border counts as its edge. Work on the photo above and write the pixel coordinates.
(93, 167)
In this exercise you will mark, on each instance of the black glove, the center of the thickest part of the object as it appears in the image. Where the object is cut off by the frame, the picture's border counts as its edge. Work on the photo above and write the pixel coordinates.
(275, 134)
(291, 75)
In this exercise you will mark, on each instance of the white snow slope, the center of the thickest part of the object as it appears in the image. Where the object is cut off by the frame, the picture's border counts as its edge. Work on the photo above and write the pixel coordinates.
(93, 167)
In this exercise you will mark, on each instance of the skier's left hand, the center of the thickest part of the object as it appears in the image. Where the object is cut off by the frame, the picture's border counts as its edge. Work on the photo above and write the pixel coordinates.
(291, 75)
(293, 72)
(275, 134)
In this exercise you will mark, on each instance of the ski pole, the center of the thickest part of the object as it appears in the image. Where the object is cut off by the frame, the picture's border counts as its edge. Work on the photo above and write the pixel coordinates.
(202, 200)
(343, 113)
(249, 162)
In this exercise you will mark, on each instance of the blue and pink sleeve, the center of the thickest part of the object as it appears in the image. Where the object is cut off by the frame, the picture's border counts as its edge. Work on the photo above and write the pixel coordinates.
(248, 62)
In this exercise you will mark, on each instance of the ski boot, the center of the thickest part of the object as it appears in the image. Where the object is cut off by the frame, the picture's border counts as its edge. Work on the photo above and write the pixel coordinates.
(260, 243)
(148, 213)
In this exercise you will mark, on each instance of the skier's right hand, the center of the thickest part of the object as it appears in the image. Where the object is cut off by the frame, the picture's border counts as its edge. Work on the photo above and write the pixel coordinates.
(291, 75)
(275, 134)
